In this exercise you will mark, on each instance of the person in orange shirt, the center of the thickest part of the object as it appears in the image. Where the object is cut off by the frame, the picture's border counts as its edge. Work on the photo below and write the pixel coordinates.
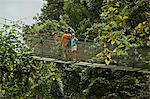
(64, 44)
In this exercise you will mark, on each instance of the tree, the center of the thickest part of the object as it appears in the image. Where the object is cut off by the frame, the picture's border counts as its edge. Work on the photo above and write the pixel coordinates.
(82, 14)
(20, 75)
(120, 30)
(52, 10)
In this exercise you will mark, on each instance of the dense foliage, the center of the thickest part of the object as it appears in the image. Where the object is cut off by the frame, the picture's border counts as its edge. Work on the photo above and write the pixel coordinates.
(120, 29)
(20, 75)
(52, 9)
(97, 83)
(102, 83)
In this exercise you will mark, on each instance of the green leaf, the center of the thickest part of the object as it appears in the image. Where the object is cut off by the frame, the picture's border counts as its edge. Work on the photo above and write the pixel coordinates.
(120, 46)
(148, 43)
(115, 50)
(120, 17)
(109, 40)
(117, 4)
(109, 56)
(99, 54)
(146, 29)
(105, 50)
(118, 42)
(137, 81)
(105, 45)
(112, 9)
(125, 17)
(113, 42)
(107, 61)
(140, 25)
(104, 14)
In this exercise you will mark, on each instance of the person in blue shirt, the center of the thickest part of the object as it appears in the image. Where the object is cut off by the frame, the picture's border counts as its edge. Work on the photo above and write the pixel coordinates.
(74, 43)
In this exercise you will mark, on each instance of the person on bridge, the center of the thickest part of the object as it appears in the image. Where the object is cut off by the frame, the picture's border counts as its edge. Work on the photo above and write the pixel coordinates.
(64, 44)
(74, 43)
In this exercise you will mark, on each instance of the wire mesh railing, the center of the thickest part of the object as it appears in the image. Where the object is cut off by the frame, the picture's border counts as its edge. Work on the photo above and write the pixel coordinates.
(50, 47)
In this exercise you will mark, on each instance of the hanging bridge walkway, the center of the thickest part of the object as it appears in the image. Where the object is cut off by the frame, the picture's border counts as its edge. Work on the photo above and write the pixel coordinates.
(93, 65)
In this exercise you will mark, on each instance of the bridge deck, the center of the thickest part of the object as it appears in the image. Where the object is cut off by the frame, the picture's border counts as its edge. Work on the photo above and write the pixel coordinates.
(94, 65)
